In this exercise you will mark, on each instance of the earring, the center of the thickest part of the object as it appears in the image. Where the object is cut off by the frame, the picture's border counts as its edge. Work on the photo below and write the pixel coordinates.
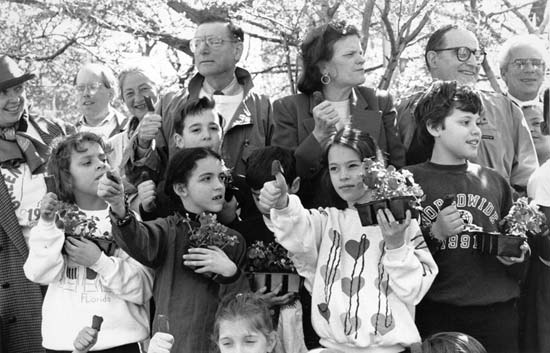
(325, 79)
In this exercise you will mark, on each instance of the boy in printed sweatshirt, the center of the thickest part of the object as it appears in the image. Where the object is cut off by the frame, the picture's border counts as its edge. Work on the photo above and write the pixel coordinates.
(473, 293)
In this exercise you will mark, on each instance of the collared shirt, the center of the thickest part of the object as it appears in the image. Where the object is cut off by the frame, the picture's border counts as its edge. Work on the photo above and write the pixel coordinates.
(226, 103)
(528, 103)
(112, 124)
(231, 89)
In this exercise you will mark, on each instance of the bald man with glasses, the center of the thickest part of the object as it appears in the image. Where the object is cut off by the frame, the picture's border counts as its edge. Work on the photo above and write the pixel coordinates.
(454, 54)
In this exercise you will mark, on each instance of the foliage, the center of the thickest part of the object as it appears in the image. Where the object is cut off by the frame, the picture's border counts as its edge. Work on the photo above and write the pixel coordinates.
(524, 219)
(388, 182)
(269, 258)
(210, 233)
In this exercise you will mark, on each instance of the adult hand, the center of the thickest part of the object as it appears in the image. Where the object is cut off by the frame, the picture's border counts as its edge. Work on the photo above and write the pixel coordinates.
(325, 117)
(393, 232)
(85, 340)
(147, 193)
(82, 251)
(272, 299)
(161, 342)
(113, 193)
(148, 128)
(274, 194)
(448, 223)
(212, 260)
(48, 207)
(508, 260)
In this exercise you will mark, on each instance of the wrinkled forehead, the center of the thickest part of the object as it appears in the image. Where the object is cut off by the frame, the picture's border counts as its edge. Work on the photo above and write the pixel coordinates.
(88, 74)
(460, 37)
(218, 29)
(533, 113)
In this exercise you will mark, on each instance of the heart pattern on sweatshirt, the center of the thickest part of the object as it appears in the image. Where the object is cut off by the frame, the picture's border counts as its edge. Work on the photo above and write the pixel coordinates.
(355, 248)
(351, 286)
(351, 323)
(324, 310)
(383, 286)
(382, 324)
(334, 273)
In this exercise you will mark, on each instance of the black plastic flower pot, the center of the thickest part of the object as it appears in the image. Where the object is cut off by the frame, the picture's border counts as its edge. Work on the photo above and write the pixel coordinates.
(399, 206)
(365, 214)
(290, 282)
(542, 244)
(498, 244)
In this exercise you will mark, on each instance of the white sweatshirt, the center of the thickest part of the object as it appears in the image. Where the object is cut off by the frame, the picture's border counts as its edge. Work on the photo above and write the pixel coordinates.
(115, 287)
(363, 295)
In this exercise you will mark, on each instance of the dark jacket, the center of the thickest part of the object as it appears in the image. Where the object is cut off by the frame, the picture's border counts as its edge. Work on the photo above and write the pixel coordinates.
(249, 129)
(20, 299)
(189, 299)
(372, 111)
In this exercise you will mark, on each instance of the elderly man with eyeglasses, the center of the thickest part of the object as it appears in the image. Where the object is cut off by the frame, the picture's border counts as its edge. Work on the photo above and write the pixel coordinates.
(96, 87)
(217, 47)
(454, 53)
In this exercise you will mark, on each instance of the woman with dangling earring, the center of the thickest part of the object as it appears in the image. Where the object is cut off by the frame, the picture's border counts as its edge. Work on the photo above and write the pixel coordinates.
(332, 97)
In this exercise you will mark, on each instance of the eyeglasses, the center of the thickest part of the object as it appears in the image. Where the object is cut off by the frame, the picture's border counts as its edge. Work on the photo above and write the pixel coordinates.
(212, 41)
(92, 87)
(521, 64)
(463, 54)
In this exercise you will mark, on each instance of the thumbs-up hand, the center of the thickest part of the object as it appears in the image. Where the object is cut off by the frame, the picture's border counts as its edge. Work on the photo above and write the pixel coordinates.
(274, 194)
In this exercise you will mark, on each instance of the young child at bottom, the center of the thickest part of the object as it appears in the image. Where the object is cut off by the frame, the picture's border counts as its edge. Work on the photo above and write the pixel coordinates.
(189, 282)
(474, 293)
(449, 342)
(86, 280)
(364, 281)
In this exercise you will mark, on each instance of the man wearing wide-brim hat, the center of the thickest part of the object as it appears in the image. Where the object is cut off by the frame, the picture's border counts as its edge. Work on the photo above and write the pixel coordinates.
(24, 150)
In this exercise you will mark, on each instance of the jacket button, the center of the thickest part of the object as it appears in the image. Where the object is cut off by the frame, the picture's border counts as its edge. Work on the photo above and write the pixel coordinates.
(5, 285)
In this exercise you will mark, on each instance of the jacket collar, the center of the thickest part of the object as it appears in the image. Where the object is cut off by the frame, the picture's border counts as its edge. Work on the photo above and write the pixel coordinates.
(243, 77)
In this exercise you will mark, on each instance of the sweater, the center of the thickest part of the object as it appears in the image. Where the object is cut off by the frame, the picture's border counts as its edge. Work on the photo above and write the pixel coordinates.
(483, 197)
(363, 295)
(116, 287)
(189, 299)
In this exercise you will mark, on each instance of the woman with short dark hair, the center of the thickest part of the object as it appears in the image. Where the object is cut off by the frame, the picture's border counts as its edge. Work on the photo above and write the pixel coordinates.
(332, 97)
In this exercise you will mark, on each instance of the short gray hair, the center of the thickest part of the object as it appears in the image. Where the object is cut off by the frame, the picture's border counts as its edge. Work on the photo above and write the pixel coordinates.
(142, 67)
(529, 40)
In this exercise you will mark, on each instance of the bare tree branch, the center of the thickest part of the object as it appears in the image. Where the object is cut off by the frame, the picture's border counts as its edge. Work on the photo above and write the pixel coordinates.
(521, 16)
(365, 23)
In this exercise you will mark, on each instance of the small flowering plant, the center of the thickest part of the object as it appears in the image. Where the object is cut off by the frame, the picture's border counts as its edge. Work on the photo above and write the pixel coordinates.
(210, 233)
(388, 182)
(524, 219)
(269, 258)
(75, 223)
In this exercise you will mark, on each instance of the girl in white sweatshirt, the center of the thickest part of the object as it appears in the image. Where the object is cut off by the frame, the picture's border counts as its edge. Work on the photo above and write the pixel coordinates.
(364, 281)
(83, 278)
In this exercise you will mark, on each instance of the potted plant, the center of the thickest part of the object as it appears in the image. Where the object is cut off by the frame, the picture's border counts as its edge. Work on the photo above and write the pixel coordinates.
(210, 232)
(524, 220)
(269, 266)
(391, 189)
(75, 223)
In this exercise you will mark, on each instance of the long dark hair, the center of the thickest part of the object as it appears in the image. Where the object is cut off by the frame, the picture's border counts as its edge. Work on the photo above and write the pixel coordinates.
(357, 140)
(182, 165)
(319, 46)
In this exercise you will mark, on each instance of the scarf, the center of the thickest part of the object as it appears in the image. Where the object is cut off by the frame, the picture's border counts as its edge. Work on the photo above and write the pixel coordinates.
(17, 147)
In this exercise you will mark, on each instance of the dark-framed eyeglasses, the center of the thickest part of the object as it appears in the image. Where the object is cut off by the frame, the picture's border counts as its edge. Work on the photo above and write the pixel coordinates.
(212, 41)
(463, 54)
(521, 64)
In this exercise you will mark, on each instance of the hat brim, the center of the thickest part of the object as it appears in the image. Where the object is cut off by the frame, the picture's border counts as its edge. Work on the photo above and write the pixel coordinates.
(16, 81)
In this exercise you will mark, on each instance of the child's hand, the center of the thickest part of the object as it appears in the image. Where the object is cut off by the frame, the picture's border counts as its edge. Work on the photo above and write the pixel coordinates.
(85, 340)
(161, 343)
(392, 231)
(48, 207)
(507, 260)
(448, 223)
(147, 192)
(82, 251)
(272, 299)
(113, 193)
(212, 259)
(229, 211)
(274, 194)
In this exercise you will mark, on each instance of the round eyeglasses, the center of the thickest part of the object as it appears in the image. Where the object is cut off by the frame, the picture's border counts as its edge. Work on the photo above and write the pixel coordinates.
(522, 64)
(463, 54)
(92, 87)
